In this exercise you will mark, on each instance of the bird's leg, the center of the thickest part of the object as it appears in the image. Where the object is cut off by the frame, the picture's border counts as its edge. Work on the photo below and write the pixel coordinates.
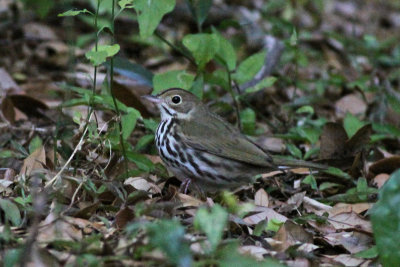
(185, 185)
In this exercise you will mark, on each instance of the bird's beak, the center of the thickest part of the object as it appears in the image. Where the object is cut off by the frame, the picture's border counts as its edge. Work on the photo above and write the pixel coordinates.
(152, 98)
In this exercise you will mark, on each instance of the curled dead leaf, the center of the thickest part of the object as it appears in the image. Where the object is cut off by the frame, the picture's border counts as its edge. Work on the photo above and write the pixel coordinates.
(36, 160)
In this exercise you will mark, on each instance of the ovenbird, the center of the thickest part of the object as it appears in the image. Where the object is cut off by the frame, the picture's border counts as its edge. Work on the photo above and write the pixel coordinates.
(200, 147)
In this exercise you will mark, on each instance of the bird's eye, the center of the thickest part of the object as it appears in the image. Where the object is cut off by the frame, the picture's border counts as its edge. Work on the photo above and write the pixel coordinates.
(176, 99)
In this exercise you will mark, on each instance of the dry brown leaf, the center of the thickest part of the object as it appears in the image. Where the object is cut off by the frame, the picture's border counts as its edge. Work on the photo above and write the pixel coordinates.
(189, 201)
(39, 31)
(40, 257)
(290, 234)
(264, 213)
(314, 206)
(53, 53)
(333, 140)
(261, 198)
(350, 221)
(270, 174)
(353, 242)
(130, 96)
(352, 103)
(293, 202)
(380, 179)
(298, 262)
(7, 84)
(28, 105)
(7, 108)
(323, 228)
(346, 260)
(254, 251)
(123, 217)
(272, 144)
(345, 207)
(36, 160)
(52, 230)
(140, 183)
(386, 165)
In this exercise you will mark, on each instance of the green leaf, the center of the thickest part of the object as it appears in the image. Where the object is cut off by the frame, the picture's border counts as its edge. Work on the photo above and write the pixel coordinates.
(248, 120)
(151, 124)
(394, 102)
(129, 122)
(168, 236)
(103, 52)
(35, 143)
(260, 227)
(274, 225)
(144, 141)
(125, 3)
(362, 187)
(294, 150)
(203, 47)
(226, 51)
(352, 124)
(150, 13)
(12, 257)
(310, 180)
(141, 161)
(11, 211)
(328, 185)
(310, 133)
(293, 38)
(133, 71)
(337, 172)
(370, 253)
(249, 67)
(72, 13)
(218, 77)
(385, 218)
(198, 86)
(199, 9)
(41, 7)
(170, 79)
(5, 154)
(305, 109)
(264, 83)
(212, 223)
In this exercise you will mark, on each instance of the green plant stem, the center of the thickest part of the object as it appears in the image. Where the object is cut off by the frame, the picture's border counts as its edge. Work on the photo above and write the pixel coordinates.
(176, 48)
(111, 79)
(230, 89)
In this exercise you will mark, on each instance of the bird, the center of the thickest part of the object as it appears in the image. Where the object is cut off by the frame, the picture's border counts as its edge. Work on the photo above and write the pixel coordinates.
(199, 147)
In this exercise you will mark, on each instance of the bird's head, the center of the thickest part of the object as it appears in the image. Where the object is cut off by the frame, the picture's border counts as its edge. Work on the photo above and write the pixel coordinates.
(175, 102)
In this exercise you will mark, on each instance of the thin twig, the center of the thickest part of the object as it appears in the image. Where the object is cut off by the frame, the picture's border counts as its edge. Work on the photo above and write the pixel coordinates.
(77, 147)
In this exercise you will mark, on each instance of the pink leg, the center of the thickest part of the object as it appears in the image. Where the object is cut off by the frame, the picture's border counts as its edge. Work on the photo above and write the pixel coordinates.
(185, 185)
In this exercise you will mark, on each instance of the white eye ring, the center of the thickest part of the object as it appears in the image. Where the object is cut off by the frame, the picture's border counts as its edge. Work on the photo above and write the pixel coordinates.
(176, 99)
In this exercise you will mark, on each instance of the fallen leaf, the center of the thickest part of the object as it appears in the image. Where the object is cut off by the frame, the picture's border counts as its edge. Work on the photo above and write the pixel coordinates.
(290, 234)
(350, 221)
(333, 140)
(350, 103)
(380, 179)
(255, 251)
(124, 216)
(36, 160)
(264, 213)
(353, 242)
(7, 83)
(345, 207)
(346, 260)
(261, 198)
(386, 165)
